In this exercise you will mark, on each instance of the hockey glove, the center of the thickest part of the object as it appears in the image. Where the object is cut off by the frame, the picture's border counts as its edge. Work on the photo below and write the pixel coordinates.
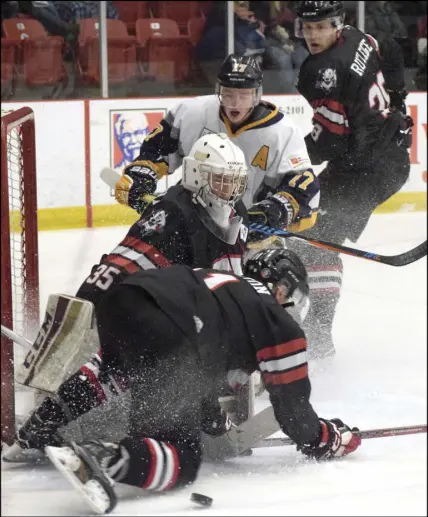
(276, 211)
(136, 187)
(336, 439)
(215, 421)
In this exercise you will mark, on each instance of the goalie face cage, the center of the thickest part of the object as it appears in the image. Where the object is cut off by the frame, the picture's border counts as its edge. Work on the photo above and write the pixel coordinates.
(19, 250)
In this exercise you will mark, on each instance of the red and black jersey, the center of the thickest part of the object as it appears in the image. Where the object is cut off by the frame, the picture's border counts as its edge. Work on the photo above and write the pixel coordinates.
(346, 87)
(236, 323)
(169, 232)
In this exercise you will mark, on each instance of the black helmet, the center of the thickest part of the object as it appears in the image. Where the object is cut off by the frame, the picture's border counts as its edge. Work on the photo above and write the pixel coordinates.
(240, 72)
(275, 267)
(316, 11)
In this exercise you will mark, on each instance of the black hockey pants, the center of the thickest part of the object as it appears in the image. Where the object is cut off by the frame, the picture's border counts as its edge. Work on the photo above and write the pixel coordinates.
(350, 192)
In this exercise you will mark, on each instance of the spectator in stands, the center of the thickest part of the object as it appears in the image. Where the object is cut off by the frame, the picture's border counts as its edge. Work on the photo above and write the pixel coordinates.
(211, 49)
(73, 12)
(280, 40)
(250, 39)
(383, 22)
(9, 10)
(212, 45)
(46, 13)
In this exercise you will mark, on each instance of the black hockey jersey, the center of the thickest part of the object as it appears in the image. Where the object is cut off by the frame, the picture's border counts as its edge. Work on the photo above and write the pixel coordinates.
(169, 232)
(347, 90)
(236, 323)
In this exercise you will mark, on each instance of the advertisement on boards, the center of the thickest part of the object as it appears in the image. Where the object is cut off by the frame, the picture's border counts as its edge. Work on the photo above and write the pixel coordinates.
(128, 129)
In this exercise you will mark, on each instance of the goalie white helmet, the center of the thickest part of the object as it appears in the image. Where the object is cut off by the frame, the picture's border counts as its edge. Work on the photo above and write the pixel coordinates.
(216, 172)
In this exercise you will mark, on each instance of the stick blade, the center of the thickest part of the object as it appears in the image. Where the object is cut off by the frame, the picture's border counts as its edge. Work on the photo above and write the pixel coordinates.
(110, 176)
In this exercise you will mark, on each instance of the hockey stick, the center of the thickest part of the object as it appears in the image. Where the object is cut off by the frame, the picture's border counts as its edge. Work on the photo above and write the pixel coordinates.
(364, 435)
(110, 177)
(19, 340)
(393, 260)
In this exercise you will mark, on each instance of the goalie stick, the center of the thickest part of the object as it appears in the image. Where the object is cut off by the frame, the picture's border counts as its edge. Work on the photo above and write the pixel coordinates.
(110, 176)
(402, 259)
(19, 340)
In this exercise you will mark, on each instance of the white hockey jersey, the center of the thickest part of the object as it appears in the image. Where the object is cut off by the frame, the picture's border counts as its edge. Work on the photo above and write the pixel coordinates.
(273, 146)
(272, 143)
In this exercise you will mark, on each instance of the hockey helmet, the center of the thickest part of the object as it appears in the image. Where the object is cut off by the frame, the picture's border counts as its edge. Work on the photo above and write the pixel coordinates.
(216, 172)
(215, 169)
(240, 72)
(276, 267)
(311, 11)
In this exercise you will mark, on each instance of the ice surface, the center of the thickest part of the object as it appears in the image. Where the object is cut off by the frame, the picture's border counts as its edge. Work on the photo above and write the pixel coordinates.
(377, 379)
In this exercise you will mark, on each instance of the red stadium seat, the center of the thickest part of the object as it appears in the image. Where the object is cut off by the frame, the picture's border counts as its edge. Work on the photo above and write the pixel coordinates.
(39, 55)
(90, 27)
(130, 12)
(145, 29)
(180, 12)
(43, 63)
(166, 53)
(22, 28)
(121, 51)
(116, 29)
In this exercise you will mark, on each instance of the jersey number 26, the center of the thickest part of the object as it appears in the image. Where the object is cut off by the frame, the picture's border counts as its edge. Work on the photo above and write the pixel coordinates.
(378, 96)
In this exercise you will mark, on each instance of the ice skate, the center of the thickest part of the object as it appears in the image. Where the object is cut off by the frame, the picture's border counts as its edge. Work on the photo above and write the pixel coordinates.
(77, 464)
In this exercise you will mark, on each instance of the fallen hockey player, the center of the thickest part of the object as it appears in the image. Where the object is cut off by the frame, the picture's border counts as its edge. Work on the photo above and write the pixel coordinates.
(200, 223)
(175, 334)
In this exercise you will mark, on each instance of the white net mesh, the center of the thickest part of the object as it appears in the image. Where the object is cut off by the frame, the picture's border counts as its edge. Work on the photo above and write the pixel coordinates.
(23, 320)
(17, 224)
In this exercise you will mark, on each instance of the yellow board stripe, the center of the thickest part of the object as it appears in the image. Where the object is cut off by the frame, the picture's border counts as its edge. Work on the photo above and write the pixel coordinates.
(65, 218)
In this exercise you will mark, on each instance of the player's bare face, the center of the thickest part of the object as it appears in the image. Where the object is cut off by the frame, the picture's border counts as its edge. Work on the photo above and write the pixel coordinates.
(319, 36)
(237, 103)
(281, 294)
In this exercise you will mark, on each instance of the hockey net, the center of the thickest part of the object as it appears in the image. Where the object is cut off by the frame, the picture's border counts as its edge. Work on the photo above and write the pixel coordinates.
(19, 257)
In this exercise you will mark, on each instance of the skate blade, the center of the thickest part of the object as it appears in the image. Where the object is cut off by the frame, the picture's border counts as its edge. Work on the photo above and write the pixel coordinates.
(68, 463)
(16, 454)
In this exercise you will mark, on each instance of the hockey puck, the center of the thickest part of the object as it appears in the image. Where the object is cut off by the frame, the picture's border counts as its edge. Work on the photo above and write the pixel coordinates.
(203, 500)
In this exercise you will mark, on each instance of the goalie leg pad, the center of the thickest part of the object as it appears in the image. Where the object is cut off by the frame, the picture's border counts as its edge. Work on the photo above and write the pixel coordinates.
(65, 340)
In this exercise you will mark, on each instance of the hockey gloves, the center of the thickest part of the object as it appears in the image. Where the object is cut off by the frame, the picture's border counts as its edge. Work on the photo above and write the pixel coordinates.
(276, 211)
(336, 439)
(136, 187)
